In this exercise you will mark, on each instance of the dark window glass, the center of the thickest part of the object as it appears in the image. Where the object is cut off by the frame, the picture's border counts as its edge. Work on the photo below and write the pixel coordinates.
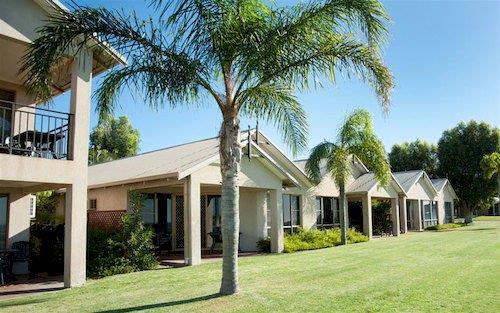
(215, 204)
(327, 211)
(287, 217)
(319, 218)
(148, 210)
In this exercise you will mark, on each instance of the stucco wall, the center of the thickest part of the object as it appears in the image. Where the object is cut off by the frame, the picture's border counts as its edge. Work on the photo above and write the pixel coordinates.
(420, 191)
(110, 199)
(18, 223)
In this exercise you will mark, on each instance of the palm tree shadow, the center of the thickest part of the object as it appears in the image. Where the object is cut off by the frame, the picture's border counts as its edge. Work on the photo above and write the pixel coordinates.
(163, 304)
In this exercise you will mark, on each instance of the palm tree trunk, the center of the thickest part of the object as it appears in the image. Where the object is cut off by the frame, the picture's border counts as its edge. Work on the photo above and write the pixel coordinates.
(230, 158)
(343, 214)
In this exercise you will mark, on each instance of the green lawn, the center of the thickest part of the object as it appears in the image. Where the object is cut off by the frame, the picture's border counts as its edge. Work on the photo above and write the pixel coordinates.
(454, 271)
(487, 218)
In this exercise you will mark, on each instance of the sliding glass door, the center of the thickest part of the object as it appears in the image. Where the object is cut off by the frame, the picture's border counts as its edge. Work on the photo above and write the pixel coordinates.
(4, 203)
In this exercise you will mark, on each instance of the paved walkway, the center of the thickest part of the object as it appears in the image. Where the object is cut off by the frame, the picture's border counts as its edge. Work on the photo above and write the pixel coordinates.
(26, 286)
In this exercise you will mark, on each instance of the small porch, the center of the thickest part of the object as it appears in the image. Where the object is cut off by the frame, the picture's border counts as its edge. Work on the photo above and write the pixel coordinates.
(421, 214)
(186, 218)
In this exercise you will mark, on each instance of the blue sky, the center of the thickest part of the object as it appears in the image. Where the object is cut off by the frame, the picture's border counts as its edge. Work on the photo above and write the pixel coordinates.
(445, 57)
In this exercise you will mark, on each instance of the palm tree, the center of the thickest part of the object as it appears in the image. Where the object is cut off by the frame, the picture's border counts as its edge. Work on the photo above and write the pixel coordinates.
(356, 138)
(247, 56)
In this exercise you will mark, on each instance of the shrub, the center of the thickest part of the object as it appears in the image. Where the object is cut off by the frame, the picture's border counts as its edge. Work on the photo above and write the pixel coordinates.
(46, 248)
(317, 239)
(445, 226)
(264, 245)
(129, 249)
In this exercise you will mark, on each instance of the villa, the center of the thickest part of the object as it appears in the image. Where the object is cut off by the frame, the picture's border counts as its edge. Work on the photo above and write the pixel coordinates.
(182, 185)
(43, 149)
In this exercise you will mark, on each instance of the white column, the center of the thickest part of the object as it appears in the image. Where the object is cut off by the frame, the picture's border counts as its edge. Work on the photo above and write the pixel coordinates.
(367, 215)
(419, 215)
(192, 232)
(261, 206)
(403, 218)
(395, 216)
(75, 232)
(276, 208)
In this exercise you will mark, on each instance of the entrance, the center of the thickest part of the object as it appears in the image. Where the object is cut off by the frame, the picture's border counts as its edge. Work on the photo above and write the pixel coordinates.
(355, 215)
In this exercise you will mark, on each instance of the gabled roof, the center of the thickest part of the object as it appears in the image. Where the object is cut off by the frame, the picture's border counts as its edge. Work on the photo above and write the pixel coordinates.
(178, 162)
(408, 179)
(367, 182)
(355, 161)
(440, 184)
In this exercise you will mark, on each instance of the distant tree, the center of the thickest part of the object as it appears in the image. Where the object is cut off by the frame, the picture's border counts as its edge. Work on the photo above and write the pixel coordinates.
(356, 137)
(491, 165)
(417, 155)
(113, 139)
(461, 151)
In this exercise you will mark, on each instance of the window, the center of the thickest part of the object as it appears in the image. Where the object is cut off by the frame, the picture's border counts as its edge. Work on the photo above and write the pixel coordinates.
(448, 217)
(92, 204)
(291, 213)
(6, 97)
(149, 212)
(327, 212)
(215, 205)
(268, 214)
(429, 213)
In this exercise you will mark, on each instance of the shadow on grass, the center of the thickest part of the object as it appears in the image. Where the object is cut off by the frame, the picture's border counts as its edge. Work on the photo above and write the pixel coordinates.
(162, 305)
(6, 303)
(476, 229)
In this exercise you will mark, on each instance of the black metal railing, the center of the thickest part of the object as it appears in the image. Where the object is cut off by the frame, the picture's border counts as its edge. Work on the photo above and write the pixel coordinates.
(34, 131)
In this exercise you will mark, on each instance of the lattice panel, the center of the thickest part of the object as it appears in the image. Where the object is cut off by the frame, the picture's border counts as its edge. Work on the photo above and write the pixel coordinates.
(105, 219)
(203, 222)
(179, 222)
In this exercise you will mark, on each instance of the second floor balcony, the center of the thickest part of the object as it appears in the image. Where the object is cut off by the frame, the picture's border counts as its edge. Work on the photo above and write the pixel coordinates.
(34, 131)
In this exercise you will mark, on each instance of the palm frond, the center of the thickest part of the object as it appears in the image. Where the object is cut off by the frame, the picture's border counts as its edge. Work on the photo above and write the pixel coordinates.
(358, 134)
(339, 166)
(318, 154)
(277, 104)
(174, 79)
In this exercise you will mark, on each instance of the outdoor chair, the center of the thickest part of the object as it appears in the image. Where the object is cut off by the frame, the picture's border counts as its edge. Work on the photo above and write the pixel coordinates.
(216, 236)
(4, 268)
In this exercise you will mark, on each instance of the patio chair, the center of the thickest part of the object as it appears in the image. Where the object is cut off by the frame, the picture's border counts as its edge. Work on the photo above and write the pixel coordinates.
(216, 236)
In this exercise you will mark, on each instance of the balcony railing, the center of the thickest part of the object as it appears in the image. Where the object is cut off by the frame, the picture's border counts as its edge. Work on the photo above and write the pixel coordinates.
(33, 131)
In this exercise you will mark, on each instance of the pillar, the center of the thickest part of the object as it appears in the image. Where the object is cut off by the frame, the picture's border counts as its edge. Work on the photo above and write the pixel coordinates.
(75, 231)
(276, 214)
(192, 219)
(261, 205)
(419, 215)
(403, 218)
(395, 216)
(367, 215)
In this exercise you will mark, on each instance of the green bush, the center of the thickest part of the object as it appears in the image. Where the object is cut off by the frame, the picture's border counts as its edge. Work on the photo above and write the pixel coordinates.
(317, 239)
(126, 250)
(445, 226)
(264, 245)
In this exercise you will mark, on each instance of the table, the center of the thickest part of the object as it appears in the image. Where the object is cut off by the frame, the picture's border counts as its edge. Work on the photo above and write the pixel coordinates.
(38, 140)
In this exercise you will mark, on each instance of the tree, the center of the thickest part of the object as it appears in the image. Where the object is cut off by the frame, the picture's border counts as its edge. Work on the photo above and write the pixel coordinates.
(248, 57)
(356, 138)
(460, 152)
(491, 165)
(113, 139)
(417, 155)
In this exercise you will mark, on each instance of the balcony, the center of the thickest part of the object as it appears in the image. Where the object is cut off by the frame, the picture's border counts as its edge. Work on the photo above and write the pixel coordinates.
(34, 132)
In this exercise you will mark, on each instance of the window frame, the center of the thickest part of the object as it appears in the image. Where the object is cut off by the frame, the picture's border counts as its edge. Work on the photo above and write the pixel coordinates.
(432, 214)
(321, 211)
(292, 227)
(92, 208)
